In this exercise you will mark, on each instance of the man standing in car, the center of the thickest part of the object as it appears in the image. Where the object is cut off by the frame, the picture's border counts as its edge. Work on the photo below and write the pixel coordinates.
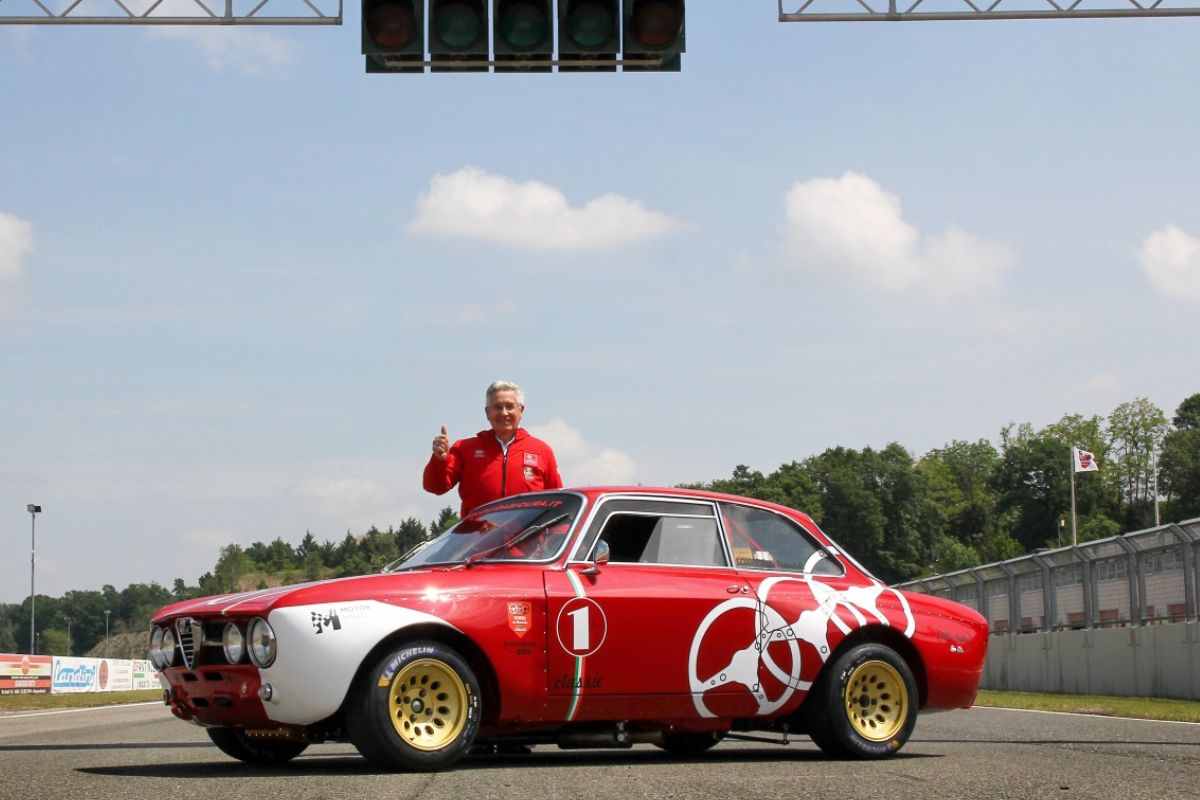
(501, 461)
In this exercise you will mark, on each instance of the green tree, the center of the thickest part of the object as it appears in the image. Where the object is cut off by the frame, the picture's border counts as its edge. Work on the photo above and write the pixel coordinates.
(1187, 416)
(446, 520)
(1033, 479)
(8, 639)
(1179, 465)
(411, 533)
(53, 642)
(1135, 430)
(232, 564)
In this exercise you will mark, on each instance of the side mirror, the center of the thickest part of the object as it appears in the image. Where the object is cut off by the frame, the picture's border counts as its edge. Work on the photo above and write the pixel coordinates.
(600, 558)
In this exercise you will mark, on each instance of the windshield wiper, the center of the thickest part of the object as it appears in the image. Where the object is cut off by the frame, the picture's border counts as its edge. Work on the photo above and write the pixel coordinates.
(515, 540)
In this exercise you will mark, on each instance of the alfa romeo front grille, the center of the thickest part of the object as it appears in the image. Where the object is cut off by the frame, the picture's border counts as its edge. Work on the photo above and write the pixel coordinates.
(191, 638)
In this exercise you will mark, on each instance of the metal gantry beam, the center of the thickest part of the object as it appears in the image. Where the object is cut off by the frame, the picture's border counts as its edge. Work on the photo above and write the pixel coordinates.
(165, 12)
(917, 10)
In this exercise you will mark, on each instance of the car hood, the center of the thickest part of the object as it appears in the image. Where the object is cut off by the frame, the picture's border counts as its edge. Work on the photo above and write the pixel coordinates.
(258, 603)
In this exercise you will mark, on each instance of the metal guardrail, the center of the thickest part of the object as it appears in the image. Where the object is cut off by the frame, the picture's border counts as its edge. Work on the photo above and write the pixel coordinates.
(1138, 578)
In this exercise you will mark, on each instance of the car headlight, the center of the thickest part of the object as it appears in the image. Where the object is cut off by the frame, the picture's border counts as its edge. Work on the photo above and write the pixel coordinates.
(166, 653)
(262, 643)
(155, 645)
(234, 643)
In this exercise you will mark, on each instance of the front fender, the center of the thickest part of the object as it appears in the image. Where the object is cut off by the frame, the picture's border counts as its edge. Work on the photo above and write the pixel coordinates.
(320, 649)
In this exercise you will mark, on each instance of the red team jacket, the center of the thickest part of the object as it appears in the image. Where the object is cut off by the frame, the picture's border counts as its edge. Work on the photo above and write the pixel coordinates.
(484, 472)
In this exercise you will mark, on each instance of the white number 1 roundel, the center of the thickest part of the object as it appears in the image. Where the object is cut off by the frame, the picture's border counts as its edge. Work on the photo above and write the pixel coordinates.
(582, 626)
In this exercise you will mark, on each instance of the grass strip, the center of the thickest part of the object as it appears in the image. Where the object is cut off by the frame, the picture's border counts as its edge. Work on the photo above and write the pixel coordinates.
(40, 702)
(1101, 705)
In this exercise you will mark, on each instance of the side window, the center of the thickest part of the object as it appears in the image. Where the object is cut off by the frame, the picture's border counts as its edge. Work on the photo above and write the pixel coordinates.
(765, 540)
(662, 539)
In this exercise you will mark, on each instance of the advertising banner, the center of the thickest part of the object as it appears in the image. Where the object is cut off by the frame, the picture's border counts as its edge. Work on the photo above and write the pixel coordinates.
(120, 676)
(79, 675)
(144, 676)
(22, 674)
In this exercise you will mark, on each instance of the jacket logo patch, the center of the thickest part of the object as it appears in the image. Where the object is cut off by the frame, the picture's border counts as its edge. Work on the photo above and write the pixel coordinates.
(481, 453)
(518, 618)
(531, 459)
(529, 473)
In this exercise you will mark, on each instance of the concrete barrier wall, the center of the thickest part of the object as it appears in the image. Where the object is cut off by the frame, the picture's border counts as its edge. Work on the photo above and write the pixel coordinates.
(1138, 661)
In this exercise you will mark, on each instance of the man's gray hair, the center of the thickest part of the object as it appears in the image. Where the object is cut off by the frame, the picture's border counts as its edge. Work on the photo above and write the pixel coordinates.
(504, 386)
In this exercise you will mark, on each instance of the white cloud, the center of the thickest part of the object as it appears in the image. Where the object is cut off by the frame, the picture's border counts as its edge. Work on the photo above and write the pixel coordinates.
(16, 243)
(475, 204)
(852, 224)
(1170, 258)
(246, 50)
(582, 463)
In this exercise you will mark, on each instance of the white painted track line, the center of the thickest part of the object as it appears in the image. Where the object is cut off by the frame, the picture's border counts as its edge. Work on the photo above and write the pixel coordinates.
(77, 710)
(1090, 716)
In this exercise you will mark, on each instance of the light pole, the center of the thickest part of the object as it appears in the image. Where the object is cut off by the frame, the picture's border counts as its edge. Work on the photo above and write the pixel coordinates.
(68, 619)
(33, 512)
(106, 613)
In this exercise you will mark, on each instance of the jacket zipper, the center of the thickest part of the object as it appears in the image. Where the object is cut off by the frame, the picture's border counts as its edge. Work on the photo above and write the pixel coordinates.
(504, 476)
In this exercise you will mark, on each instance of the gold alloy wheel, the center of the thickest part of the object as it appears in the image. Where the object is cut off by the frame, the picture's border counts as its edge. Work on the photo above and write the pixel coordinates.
(427, 704)
(876, 700)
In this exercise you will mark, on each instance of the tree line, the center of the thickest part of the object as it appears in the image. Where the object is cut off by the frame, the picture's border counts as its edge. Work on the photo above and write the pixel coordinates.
(74, 624)
(969, 503)
(902, 515)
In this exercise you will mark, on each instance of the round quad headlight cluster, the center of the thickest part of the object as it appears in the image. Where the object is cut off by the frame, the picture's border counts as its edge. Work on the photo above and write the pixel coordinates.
(263, 646)
(162, 647)
(233, 643)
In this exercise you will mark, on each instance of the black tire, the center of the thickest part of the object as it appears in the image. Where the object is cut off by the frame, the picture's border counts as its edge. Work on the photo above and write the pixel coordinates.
(253, 750)
(874, 717)
(688, 744)
(402, 744)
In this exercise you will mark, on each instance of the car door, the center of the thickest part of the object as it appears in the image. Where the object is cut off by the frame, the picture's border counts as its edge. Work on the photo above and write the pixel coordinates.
(621, 635)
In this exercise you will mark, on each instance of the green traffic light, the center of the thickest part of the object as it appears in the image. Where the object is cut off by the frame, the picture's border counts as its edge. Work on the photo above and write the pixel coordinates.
(458, 25)
(590, 24)
(524, 25)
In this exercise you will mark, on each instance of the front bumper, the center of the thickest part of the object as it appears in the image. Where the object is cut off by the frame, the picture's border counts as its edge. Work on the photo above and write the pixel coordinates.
(217, 695)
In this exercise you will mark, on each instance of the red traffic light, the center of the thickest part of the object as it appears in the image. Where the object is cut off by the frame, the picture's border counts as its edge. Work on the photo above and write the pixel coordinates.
(656, 23)
(391, 25)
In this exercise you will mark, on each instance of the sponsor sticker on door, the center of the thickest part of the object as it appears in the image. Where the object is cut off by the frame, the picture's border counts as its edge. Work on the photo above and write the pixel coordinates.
(518, 617)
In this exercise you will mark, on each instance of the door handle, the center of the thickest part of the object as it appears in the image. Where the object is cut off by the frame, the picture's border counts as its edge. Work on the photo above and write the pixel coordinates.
(733, 588)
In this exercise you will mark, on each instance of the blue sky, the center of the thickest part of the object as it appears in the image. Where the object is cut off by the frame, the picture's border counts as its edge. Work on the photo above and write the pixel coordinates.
(242, 283)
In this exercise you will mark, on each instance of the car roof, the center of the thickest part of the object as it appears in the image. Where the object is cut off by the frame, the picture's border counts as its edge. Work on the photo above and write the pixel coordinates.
(594, 492)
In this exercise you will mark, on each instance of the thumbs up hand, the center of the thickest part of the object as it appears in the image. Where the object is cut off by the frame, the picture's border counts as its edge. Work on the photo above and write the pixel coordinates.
(441, 444)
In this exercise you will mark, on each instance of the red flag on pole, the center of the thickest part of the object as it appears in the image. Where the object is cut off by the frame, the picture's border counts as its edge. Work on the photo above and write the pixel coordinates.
(1084, 461)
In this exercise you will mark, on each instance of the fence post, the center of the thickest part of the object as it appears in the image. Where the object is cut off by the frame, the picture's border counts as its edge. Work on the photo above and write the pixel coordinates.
(1049, 594)
(1089, 587)
(1132, 577)
(981, 593)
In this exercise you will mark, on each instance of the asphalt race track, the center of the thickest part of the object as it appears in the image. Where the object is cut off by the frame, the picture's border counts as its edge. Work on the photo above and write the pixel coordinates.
(142, 753)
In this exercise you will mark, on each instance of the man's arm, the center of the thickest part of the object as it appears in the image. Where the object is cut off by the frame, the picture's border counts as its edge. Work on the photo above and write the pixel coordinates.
(444, 469)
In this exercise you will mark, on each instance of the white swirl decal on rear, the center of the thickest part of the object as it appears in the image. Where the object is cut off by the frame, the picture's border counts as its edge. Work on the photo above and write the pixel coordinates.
(812, 626)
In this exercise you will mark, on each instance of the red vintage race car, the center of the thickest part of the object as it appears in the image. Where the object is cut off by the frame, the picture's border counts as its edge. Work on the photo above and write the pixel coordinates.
(584, 618)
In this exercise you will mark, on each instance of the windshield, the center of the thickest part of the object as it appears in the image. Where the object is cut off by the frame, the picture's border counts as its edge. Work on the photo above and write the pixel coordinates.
(483, 534)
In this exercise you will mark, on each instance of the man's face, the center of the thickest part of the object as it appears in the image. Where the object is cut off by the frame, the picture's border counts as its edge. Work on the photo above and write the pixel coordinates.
(504, 412)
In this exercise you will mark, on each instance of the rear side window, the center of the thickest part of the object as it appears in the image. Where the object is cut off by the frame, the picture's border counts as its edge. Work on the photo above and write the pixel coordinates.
(654, 539)
(762, 539)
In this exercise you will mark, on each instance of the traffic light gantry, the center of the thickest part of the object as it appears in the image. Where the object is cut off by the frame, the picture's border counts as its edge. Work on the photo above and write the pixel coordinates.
(410, 36)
